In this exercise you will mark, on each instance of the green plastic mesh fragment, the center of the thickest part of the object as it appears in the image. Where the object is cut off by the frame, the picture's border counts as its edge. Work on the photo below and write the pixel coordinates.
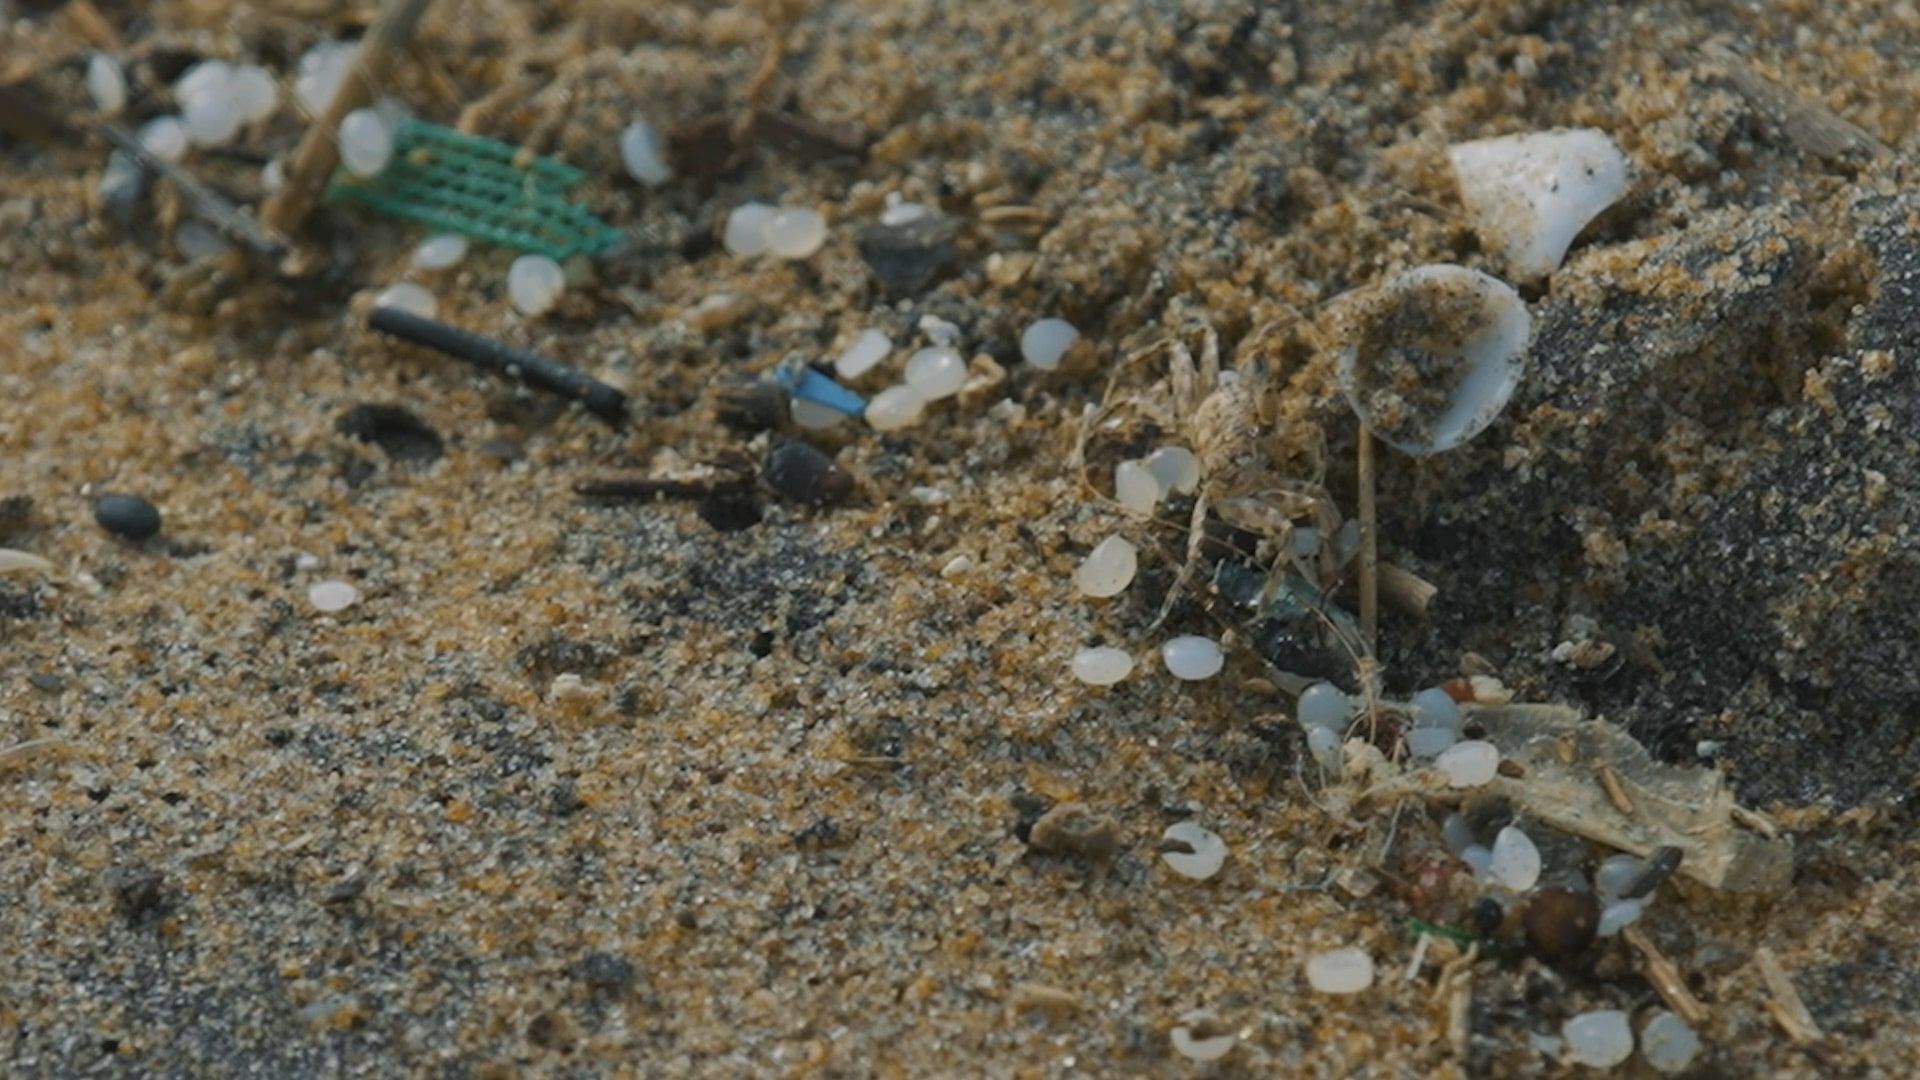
(470, 185)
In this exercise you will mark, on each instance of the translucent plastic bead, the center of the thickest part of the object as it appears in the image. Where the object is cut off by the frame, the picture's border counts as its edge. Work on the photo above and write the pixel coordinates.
(937, 372)
(1425, 743)
(106, 84)
(1193, 658)
(1616, 872)
(440, 252)
(1516, 861)
(211, 119)
(1323, 705)
(322, 71)
(1598, 1040)
(894, 408)
(408, 297)
(1620, 914)
(1324, 745)
(1102, 666)
(1340, 971)
(746, 231)
(1108, 569)
(1206, 854)
(814, 416)
(165, 137)
(1436, 708)
(863, 354)
(1197, 1047)
(643, 154)
(534, 284)
(1135, 487)
(366, 143)
(208, 77)
(331, 596)
(1045, 342)
(1668, 1044)
(255, 94)
(795, 233)
(1457, 833)
(1469, 764)
(1176, 468)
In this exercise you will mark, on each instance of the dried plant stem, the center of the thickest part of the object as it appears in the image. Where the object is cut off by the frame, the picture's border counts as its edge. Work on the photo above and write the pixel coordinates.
(1369, 545)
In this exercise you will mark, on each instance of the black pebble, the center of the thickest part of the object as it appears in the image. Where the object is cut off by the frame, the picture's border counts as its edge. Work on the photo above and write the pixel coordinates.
(799, 473)
(605, 971)
(909, 259)
(47, 682)
(730, 513)
(404, 436)
(127, 515)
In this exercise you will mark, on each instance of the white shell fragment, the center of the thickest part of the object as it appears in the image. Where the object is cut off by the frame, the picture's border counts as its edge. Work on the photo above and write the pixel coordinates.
(1598, 1040)
(1324, 705)
(534, 284)
(366, 142)
(936, 372)
(643, 154)
(1046, 341)
(746, 231)
(106, 84)
(1208, 852)
(864, 354)
(1434, 356)
(1516, 861)
(1209, 1048)
(440, 252)
(1177, 469)
(1469, 764)
(1193, 658)
(1667, 1043)
(1135, 487)
(1101, 666)
(1530, 195)
(894, 408)
(408, 297)
(1108, 569)
(11, 560)
(1340, 971)
(795, 233)
(331, 596)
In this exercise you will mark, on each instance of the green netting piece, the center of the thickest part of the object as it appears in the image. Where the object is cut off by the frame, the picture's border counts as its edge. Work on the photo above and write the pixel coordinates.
(470, 185)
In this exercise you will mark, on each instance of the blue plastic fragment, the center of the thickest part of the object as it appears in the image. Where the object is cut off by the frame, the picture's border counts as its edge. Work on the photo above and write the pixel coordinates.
(810, 385)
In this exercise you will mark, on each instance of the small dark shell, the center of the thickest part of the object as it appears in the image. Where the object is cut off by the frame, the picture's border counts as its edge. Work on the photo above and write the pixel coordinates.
(1560, 922)
(799, 473)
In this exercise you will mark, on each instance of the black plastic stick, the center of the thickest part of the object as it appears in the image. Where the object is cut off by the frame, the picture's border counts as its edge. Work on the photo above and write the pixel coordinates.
(503, 359)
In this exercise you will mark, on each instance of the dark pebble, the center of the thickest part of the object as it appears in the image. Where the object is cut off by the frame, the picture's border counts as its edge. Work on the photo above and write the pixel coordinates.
(137, 890)
(799, 473)
(47, 682)
(127, 515)
(606, 971)
(16, 513)
(395, 430)
(1560, 923)
(752, 405)
(730, 513)
(912, 258)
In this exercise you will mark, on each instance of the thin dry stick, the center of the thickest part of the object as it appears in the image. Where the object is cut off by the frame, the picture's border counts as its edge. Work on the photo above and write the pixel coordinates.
(1784, 1002)
(319, 151)
(1666, 978)
(1369, 546)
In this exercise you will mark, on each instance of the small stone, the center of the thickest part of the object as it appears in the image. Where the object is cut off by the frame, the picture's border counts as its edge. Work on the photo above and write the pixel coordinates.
(795, 233)
(534, 284)
(936, 372)
(1108, 569)
(127, 515)
(645, 157)
(569, 688)
(606, 971)
(1560, 923)
(1426, 743)
(746, 231)
(195, 239)
(442, 252)
(1598, 1040)
(1195, 1038)
(1469, 764)
(1619, 915)
(366, 142)
(911, 257)
(408, 297)
(1435, 708)
(332, 596)
(1192, 851)
(165, 137)
(255, 94)
(1102, 666)
(1044, 343)
(395, 429)
(1324, 705)
(1667, 1043)
(1177, 469)
(894, 408)
(138, 891)
(1192, 658)
(1136, 488)
(106, 84)
(1340, 971)
(46, 682)
(1073, 828)
(1516, 861)
(801, 473)
(863, 354)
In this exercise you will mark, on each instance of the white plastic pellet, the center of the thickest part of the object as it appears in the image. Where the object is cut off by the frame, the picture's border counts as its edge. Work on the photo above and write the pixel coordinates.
(1324, 705)
(1211, 1048)
(1530, 195)
(321, 72)
(1208, 852)
(255, 94)
(1615, 873)
(1478, 859)
(863, 354)
(795, 233)
(814, 416)
(165, 137)
(366, 142)
(643, 154)
(1340, 971)
(1667, 1043)
(1620, 914)
(746, 231)
(1101, 666)
(534, 284)
(1193, 658)
(1435, 708)
(106, 84)
(1108, 569)
(899, 212)
(1424, 743)
(1176, 468)
(895, 407)
(330, 596)
(1324, 745)
(408, 297)
(211, 119)
(1469, 764)
(1516, 861)
(195, 239)
(440, 252)
(204, 78)
(1457, 833)
(1046, 341)
(1598, 1040)
(936, 372)
(1135, 487)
